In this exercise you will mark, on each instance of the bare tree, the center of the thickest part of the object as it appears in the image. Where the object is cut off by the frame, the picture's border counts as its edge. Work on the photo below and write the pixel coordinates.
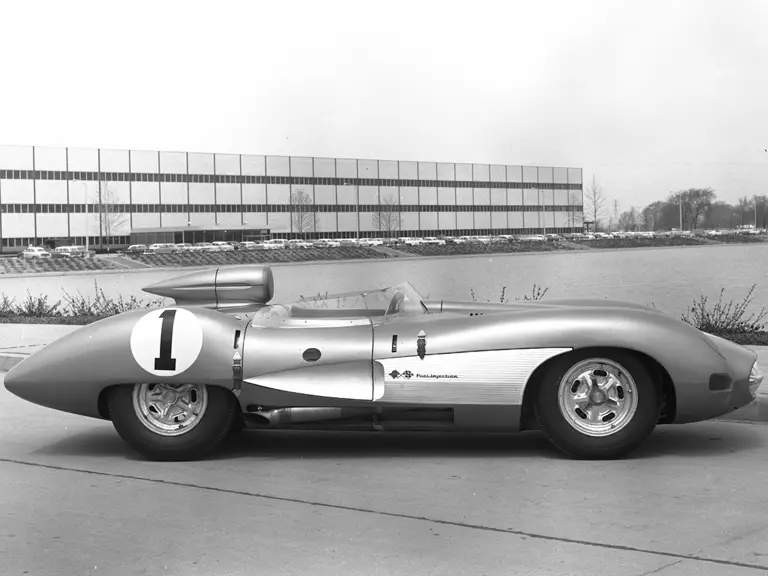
(111, 215)
(631, 220)
(761, 207)
(388, 218)
(595, 201)
(575, 210)
(303, 211)
(699, 200)
(744, 205)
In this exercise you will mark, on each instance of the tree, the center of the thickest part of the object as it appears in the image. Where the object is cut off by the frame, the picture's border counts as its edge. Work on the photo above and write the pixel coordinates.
(575, 210)
(595, 202)
(720, 215)
(631, 220)
(388, 218)
(694, 203)
(303, 212)
(744, 206)
(761, 210)
(653, 215)
(111, 215)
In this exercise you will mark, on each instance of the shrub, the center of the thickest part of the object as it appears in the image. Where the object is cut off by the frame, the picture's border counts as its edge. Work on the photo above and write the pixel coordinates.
(102, 306)
(537, 293)
(725, 318)
(76, 307)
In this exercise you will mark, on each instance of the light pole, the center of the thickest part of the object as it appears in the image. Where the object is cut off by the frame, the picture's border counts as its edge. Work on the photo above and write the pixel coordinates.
(85, 194)
(754, 201)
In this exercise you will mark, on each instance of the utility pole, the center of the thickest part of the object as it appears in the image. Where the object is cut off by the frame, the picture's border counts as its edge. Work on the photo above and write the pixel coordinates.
(754, 200)
(615, 213)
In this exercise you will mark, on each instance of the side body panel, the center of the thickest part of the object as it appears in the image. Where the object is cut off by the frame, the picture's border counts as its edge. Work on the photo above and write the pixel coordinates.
(315, 357)
(424, 360)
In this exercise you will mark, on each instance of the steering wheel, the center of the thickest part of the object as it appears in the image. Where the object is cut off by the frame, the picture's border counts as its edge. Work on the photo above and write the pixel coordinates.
(396, 304)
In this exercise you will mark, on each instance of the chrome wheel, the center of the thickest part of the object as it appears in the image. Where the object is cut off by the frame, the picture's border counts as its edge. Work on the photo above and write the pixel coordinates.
(598, 397)
(170, 409)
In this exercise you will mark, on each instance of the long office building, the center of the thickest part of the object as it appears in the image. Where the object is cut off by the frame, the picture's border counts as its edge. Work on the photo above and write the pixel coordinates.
(59, 195)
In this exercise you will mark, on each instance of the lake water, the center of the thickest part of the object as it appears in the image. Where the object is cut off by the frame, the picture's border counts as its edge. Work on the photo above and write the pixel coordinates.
(670, 278)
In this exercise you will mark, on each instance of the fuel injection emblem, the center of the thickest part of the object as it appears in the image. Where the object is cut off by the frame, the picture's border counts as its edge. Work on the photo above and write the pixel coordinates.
(421, 344)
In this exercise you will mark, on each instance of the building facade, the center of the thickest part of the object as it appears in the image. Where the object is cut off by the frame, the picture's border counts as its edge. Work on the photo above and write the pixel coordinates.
(60, 195)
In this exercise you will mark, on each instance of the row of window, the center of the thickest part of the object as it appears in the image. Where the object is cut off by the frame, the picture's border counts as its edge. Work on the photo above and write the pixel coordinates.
(64, 241)
(246, 179)
(274, 208)
(126, 240)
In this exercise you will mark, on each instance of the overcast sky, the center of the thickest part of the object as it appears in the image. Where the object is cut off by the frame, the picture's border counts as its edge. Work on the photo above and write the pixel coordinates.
(647, 96)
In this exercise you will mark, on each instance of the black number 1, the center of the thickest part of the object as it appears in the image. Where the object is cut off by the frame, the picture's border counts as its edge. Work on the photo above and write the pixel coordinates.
(164, 361)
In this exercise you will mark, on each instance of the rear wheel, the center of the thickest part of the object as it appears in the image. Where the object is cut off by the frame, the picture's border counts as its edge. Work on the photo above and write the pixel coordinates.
(173, 422)
(598, 404)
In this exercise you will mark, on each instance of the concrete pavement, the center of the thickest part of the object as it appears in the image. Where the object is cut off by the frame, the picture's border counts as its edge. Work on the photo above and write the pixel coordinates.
(76, 500)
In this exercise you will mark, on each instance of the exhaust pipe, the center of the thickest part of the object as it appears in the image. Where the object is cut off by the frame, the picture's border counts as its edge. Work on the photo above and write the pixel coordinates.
(284, 416)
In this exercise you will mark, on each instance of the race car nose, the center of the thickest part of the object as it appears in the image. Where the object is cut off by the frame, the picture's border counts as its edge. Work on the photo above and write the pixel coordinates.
(25, 380)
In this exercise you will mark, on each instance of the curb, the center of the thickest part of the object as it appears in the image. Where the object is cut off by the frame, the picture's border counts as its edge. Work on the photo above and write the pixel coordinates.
(8, 362)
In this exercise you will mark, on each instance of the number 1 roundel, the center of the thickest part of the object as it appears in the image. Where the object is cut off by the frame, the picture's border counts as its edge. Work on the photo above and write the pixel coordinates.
(166, 342)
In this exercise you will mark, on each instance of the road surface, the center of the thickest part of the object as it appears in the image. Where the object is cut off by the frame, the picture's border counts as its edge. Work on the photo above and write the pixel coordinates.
(76, 500)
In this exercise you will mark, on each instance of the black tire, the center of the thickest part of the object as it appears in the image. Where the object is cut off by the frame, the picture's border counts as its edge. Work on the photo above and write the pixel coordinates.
(215, 425)
(578, 444)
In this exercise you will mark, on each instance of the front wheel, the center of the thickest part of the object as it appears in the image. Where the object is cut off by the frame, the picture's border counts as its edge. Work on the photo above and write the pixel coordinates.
(597, 405)
(173, 422)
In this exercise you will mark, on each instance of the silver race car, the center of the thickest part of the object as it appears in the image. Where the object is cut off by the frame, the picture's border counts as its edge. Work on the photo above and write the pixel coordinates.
(596, 376)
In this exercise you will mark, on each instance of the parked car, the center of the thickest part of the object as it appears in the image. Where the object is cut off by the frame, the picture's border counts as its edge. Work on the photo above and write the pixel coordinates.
(326, 243)
(184, 247)
(433, 240)
(66, 252)
(135, 249)
(85, 252)
(298, 243)
(274, 244)
(371, 242)
(35, 253)
(163, 248)
(223, 246)
(176, 380)
(203, 247)
(248, 245)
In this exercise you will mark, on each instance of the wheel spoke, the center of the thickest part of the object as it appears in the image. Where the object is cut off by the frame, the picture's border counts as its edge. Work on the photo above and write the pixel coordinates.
(170, 410)
(596, 397)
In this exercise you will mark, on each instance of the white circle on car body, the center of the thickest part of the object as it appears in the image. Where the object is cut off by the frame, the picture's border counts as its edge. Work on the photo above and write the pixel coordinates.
(166, 342)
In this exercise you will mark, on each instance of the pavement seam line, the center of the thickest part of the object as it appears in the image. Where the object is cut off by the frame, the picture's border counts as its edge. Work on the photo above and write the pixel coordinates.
(661, 569)
(479, 527)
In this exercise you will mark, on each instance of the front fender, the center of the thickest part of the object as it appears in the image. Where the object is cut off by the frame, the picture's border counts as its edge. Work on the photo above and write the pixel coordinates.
(173, 345)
